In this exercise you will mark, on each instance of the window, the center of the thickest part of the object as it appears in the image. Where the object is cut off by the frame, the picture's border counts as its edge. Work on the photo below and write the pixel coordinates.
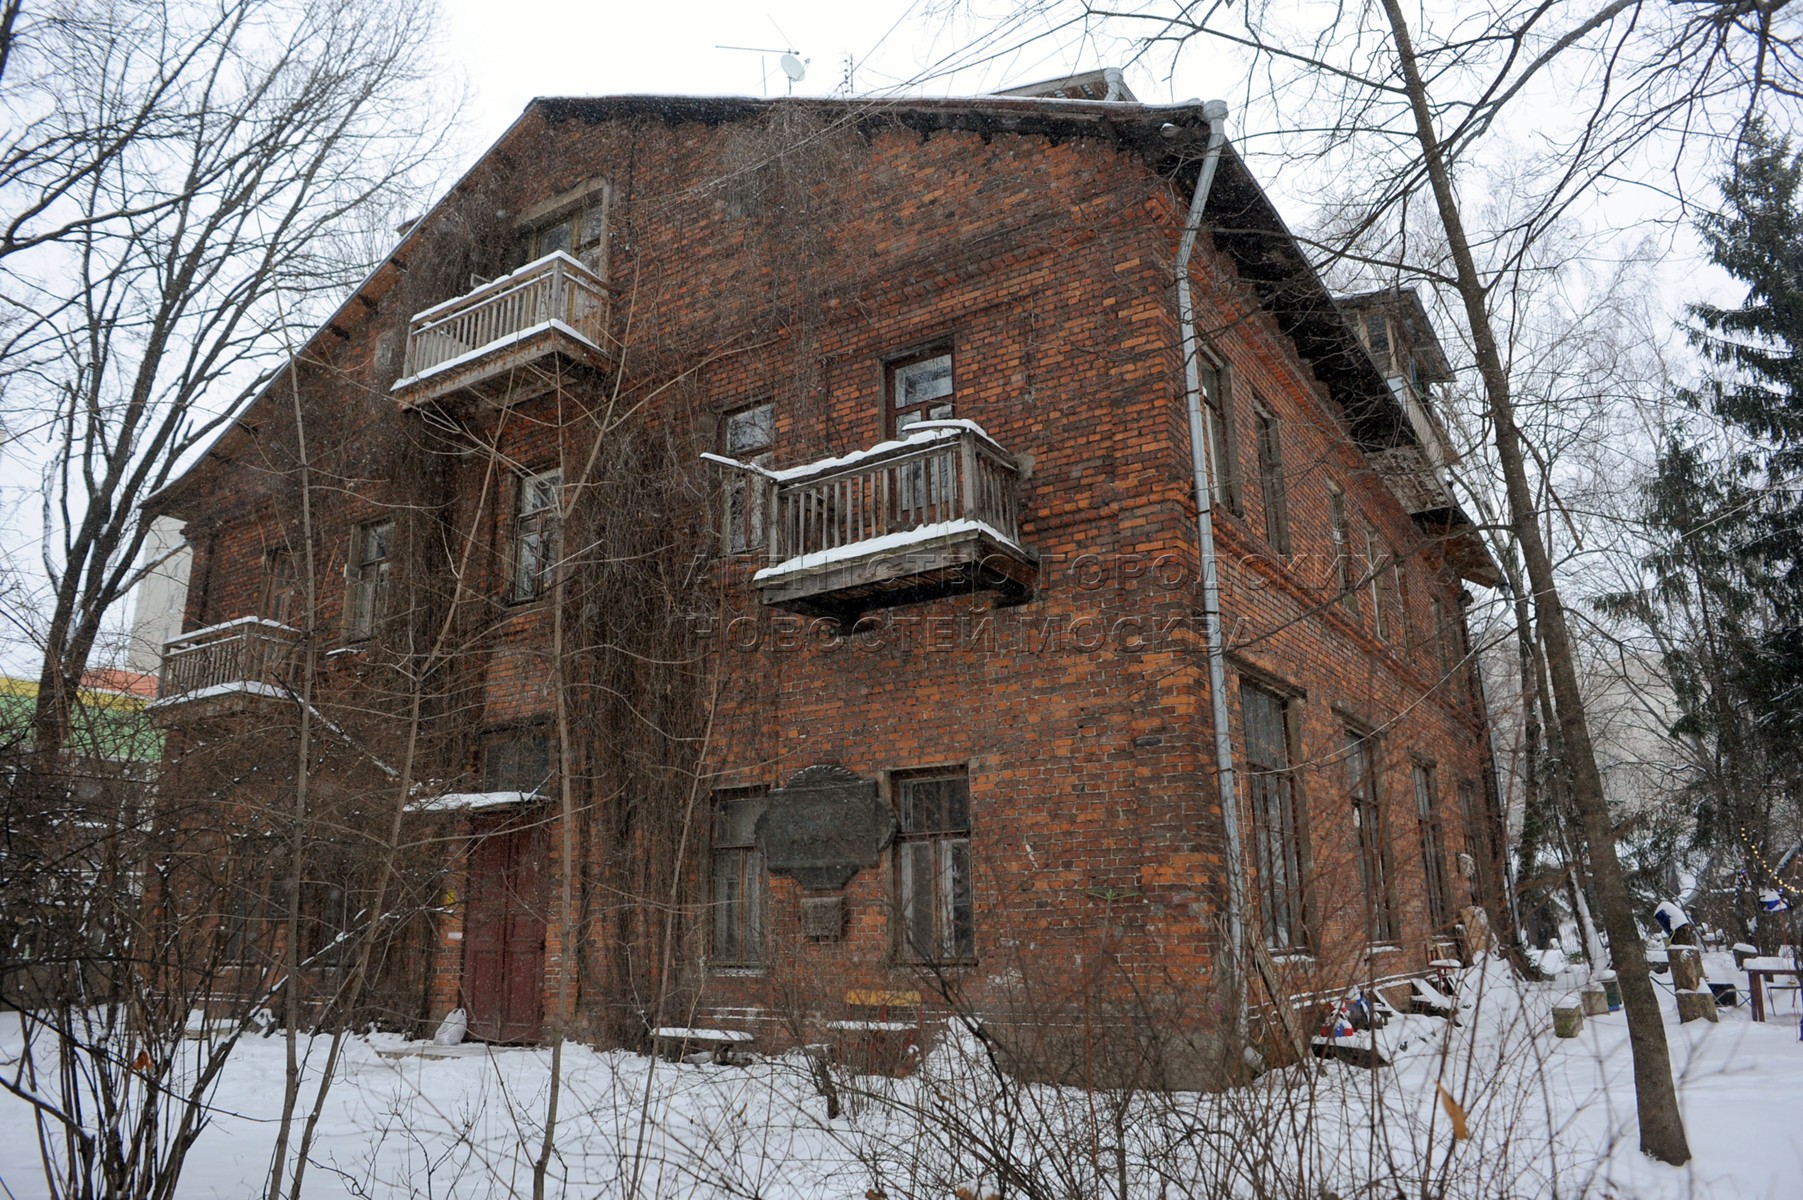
(1270, 480)
(933, 869)
(920, 389)
(536, 544)
(580, 233)
(1375, 576)
(367, 602)
(1276, 821)
(253, 901)
(1433, 855)
(1217, 435)
(739, 881)
(747, 436)
(516, 760)
(1399, 594)
(1442, 643)
(1368, 826)
(1377, 337)
(328, 923)
(1345, 571)
(281, 589)
(1477, 841)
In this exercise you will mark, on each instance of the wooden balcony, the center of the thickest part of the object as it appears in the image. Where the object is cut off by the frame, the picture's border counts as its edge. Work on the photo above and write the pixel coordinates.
(225, 669)
(931, 514)
(511, 339)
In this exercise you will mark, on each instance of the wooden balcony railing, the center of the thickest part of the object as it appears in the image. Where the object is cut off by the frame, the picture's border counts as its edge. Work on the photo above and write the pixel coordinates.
(940, 506)
(546, 305)
(554, 288)
(248, 656)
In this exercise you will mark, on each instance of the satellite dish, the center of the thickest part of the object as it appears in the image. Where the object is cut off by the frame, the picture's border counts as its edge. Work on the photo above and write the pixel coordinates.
(793, 67)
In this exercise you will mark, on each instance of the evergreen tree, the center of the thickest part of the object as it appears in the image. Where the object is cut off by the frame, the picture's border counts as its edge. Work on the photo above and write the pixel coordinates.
(1725, 592)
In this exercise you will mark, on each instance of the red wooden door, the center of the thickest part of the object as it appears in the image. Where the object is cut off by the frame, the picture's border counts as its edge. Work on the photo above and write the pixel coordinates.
(504, 930)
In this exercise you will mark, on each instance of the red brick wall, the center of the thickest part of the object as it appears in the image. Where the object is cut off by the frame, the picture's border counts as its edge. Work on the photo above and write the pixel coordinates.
(759, 262)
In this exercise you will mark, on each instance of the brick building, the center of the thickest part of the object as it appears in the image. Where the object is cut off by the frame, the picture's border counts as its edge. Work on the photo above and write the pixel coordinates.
(901, 698)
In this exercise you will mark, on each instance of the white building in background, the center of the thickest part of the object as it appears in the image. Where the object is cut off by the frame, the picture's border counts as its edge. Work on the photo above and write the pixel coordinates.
(157, 611)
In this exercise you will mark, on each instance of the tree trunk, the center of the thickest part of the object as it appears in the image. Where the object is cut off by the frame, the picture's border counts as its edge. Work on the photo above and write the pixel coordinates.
(1661, 1124)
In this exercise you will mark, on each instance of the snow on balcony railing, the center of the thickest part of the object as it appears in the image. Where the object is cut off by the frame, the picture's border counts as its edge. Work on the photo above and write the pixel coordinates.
(556, 291)
(942, 476)
(250, 654)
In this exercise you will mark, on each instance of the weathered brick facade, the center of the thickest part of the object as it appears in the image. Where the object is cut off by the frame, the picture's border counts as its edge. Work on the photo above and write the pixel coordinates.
(788, 253)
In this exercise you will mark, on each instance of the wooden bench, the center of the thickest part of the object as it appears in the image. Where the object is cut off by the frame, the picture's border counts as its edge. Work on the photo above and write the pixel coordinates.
(676, 1042)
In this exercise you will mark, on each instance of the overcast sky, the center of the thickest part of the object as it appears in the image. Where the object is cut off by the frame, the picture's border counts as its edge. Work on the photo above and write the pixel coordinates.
(505, 52)
(512, 51)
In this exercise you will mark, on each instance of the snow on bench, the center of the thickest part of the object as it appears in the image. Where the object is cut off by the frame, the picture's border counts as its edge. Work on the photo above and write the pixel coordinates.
(1428, 1000)
(672, 1041)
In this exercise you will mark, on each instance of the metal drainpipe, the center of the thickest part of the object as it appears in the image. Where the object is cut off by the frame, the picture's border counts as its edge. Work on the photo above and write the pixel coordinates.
(1215, 113)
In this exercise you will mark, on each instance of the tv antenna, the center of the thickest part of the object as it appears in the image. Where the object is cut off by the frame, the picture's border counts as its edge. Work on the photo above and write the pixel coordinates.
(790, 61)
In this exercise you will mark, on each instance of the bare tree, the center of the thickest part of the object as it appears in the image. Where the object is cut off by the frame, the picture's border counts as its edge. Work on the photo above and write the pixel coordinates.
(198, 162)
(1414, 112)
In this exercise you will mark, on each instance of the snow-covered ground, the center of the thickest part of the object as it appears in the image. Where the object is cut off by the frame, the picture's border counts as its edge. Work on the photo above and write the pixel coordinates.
(1547, 1118)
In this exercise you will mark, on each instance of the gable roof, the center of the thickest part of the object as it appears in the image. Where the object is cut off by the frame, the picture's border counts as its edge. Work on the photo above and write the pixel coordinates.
(1168, 138)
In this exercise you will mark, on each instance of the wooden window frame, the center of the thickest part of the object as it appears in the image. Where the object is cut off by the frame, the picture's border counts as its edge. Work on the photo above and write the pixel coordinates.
(538, 532)
(739, 929)
(1273, 491)
(1375, 562)
(514, 736)
(281, 587)
(1364, 791)
(1219, 445)
(1279, 821)
(940, 856)
(368, 578)
(745, 521)
(1431, 831)
(897, 417)
(1344, 569)
(581, 221)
